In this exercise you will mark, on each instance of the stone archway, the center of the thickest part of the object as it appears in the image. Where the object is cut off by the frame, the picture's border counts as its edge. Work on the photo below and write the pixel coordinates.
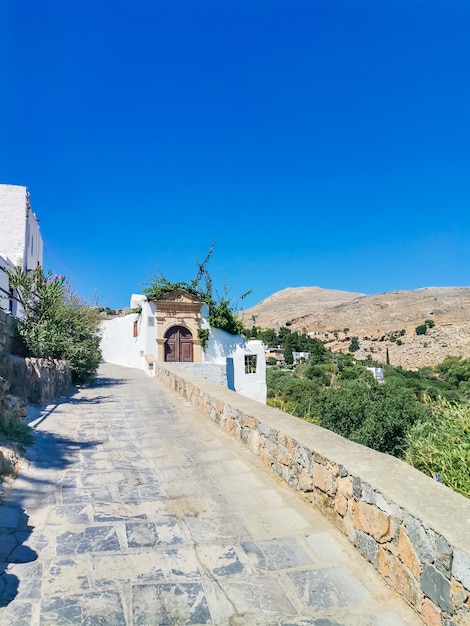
(177, 316)
(178, 345)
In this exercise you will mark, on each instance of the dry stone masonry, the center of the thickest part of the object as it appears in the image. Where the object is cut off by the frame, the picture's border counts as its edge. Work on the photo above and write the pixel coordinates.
(414, 530)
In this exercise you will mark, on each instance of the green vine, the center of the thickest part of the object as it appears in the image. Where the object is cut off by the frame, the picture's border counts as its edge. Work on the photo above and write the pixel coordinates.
(221, 310)
(203, 335)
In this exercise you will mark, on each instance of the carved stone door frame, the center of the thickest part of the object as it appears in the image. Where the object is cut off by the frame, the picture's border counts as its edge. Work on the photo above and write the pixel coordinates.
(178, 309)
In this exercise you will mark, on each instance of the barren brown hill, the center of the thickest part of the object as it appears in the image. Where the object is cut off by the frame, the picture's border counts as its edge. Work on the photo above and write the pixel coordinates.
(377, 320)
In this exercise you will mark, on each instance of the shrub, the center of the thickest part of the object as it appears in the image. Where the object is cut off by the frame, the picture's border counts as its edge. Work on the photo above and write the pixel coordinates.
(354, 345)
(421, 330)
(57, 324)
(440, 445)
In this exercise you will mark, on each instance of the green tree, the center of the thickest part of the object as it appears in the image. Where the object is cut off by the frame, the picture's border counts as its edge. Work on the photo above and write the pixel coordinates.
(57, 324)
(354, 345)
(288, 348)
(269, 337)
(221, 310)
(440, 445)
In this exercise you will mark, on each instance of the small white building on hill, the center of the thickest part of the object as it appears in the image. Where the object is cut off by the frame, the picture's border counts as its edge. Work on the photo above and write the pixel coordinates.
(167, 330)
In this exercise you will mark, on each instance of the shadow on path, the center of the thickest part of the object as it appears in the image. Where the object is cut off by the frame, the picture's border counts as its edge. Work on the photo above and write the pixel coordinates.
(14, 530)
(50, 452)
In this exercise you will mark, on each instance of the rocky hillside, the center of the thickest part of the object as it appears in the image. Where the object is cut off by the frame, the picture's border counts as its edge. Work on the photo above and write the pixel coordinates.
(380, 321)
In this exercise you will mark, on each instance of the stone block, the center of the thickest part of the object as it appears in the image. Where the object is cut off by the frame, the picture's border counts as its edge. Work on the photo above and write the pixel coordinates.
(283, 456)
(264, 430)
(388, 507)
(341, 504)
(443, 559)
(265, 457)
(303, 457)
(419, 538)
(461, 567)
(373, 521)
(407, 554)
(431, 614)
(323, 479)
(305, 481)
(254, 441)
(367, 547)
(249, 421)
(368, 494)
(458, 593)
(403, 581)
(344, 486)
(318, 458)
(382, 564)
(436, 587)
(291, 446)
(357, 487)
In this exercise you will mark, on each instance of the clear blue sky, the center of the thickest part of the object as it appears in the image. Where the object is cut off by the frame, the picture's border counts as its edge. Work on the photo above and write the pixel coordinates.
(318, 143)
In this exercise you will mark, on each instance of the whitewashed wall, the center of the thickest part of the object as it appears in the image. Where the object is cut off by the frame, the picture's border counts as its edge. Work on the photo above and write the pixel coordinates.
(221, 345)
(20, 237)
(16, 308)
(118, 344)
(252, 385)
(4, 286)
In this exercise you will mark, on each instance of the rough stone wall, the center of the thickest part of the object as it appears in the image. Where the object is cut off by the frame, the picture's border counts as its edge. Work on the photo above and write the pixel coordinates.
(212, 371)
(38, 381)
(7, 331)
(413, 530)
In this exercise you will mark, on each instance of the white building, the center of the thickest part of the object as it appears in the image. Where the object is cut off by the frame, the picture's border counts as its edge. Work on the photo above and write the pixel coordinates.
(167, 330)
(21, 243)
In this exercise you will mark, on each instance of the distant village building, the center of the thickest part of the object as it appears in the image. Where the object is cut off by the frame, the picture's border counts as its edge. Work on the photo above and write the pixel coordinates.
(167, 330)
(21, 243)
(300, 356)
(378, 373)
(275, 353)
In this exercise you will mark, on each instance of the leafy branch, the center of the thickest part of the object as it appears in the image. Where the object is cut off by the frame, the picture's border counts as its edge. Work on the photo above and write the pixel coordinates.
(221, 309)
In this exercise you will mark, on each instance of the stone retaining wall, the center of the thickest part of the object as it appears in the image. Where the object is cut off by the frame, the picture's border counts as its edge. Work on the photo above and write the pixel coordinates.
(7, 331)
(38, 381)
(415, 531)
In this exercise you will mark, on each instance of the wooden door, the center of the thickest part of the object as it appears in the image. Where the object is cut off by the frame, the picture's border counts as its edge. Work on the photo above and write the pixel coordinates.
(179, 345)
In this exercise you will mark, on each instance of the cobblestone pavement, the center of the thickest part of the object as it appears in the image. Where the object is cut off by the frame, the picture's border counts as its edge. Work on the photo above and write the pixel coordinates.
(133, 509)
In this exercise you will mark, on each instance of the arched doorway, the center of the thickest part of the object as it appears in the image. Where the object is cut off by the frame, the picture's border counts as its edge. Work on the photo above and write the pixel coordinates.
(178, 345)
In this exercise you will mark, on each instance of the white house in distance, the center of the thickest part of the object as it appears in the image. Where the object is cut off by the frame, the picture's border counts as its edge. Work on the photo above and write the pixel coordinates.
(166, 330)
(20, 240)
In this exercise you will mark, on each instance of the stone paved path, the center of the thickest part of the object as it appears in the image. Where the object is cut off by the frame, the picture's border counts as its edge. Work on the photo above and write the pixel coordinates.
(135, 510)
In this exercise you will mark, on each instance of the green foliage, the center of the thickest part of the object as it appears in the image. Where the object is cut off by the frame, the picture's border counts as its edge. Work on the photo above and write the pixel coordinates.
(221, 311)
(421, 416)
(203, 334)
(440, 445)
(57, 325)
(354, 345)
(422, 328)
(16, 430)
(269, 337)
(392, 410)
(456, 371)
(12, 425)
